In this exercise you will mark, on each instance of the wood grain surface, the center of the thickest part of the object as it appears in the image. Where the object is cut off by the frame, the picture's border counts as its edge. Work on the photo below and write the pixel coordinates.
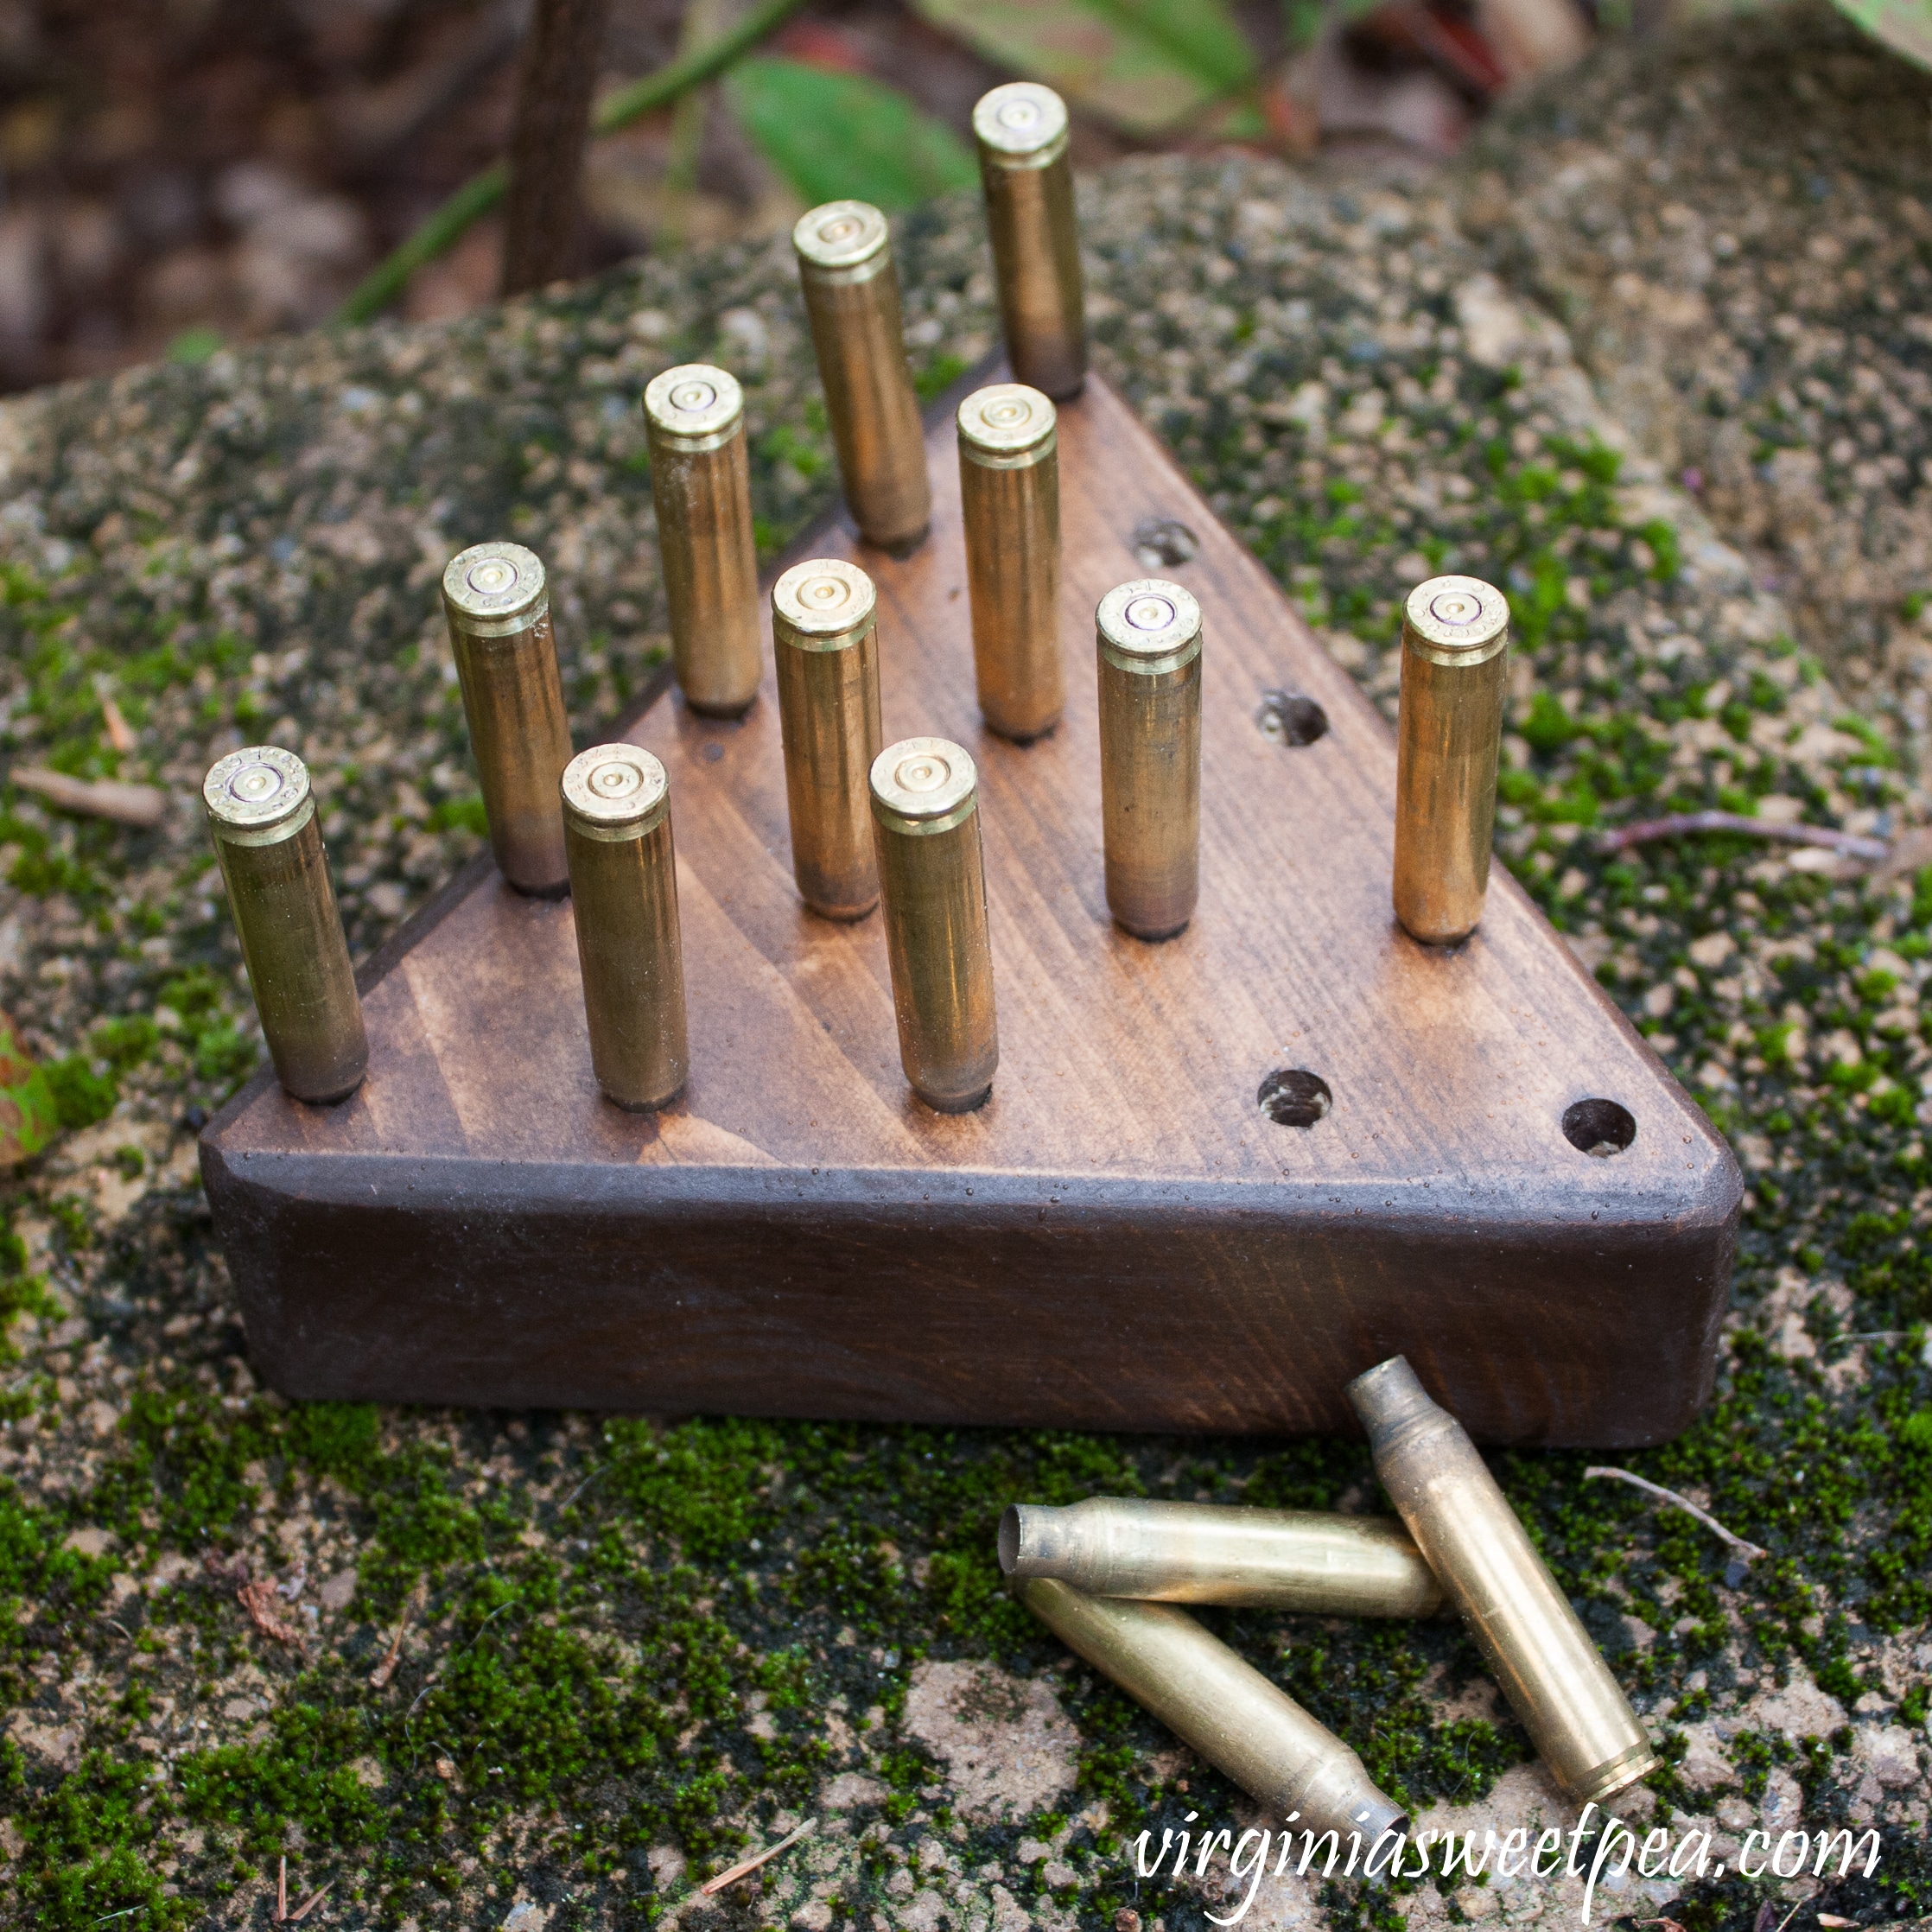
(1120, 1237)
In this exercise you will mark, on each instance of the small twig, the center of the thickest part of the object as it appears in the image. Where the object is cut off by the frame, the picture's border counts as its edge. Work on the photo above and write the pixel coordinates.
(282, 1892)
(1853, 845)
(1749, 1551)
(120, 734)
(126, 804)
(379, 1678)
(124, 1912)
(308, 1904)
(750, 1866)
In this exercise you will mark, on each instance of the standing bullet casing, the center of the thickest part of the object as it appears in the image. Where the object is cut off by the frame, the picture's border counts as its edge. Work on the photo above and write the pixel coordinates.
(1020, 130)
(1554, 1677)
(1455, 678)
(825, 636)
(1217, 1702)
(933, 879)
(1149, 648)
(261, 817)
(851, 291)
(616, 805)
(701, 482)
(1009, 487)
(1203, 1552)
(497, 602)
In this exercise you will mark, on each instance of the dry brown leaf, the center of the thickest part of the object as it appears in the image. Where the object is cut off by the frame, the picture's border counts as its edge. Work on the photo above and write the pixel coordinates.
(258, 1599)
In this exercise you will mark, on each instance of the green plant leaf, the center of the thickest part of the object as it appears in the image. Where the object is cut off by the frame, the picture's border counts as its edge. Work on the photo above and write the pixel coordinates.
(841, 137)
(1903, 25)
(1144, 65)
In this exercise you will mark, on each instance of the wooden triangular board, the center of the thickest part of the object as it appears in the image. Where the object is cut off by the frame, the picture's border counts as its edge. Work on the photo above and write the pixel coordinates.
(1120, 1238)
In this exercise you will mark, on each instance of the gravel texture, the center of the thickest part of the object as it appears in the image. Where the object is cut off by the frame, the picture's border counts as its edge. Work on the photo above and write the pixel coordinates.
(545, 1671)
(1735, 226)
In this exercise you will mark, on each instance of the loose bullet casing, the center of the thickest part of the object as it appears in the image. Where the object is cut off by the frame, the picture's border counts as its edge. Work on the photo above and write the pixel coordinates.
(616, 806)
(1554, 1677)
(1149, 648)
(1009, 486)
(1232, 1716)
(701, 482)
(851, 290)
(1455, 678)
(1202, 1553)
(497, 602)
(261, 817)
(824, 635)
(1020, 130)
(932, 879)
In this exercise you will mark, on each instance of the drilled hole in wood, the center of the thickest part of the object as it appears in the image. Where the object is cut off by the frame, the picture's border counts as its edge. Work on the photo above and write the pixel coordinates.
(1598, 1127)
(1288, 718)
(1160, 543)
(1293, 1096)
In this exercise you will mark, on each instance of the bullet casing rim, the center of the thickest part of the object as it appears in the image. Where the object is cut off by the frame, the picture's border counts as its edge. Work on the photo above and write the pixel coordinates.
(1455, 660)
(288, 815)
(616, 831)
(1046, 151)
(923, 828)
(1048, 445)
(669, 437)
(798, 630)
(946, 749)
(493, 630)
(260, 836)
(1486, 639)
(1009, 454)
(511, 618)
(1116, 640)
(1149, 667)
(1035, 162)
(860, 267)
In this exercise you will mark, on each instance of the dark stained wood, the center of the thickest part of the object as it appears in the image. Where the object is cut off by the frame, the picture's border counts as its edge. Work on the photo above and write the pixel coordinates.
(1121, 1238)
(547, 141)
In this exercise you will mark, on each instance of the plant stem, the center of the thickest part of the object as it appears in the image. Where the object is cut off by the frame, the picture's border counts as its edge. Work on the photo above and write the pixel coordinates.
(483, 192)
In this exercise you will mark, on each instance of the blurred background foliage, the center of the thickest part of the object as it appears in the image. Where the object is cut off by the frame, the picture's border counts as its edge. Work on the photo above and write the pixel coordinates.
(175, 175)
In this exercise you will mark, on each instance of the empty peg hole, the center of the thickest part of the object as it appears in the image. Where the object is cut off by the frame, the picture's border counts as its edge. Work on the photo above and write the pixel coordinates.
(1160, 543)
(1293, 1096)
(1598, 1127)
(1288, 718)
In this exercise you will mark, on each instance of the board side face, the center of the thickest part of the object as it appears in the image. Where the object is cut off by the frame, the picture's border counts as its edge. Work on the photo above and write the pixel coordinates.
(549, 1289)
(1126, 1093)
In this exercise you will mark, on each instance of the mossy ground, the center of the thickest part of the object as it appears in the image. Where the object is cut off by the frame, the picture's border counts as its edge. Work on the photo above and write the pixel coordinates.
(582, 1663)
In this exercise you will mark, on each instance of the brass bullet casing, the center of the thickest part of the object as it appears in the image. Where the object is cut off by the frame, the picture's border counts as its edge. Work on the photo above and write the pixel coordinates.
(497, 602)
(1455, 678)
(825, 636)
(1149, 646)
(694, 420)
(616, 805)
(261, 817)
(1217, 1702)
(1554, 1677)
(925, 821)
(851, 290)
(1203, 1552)
(1009, 487)
(1020, 130)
